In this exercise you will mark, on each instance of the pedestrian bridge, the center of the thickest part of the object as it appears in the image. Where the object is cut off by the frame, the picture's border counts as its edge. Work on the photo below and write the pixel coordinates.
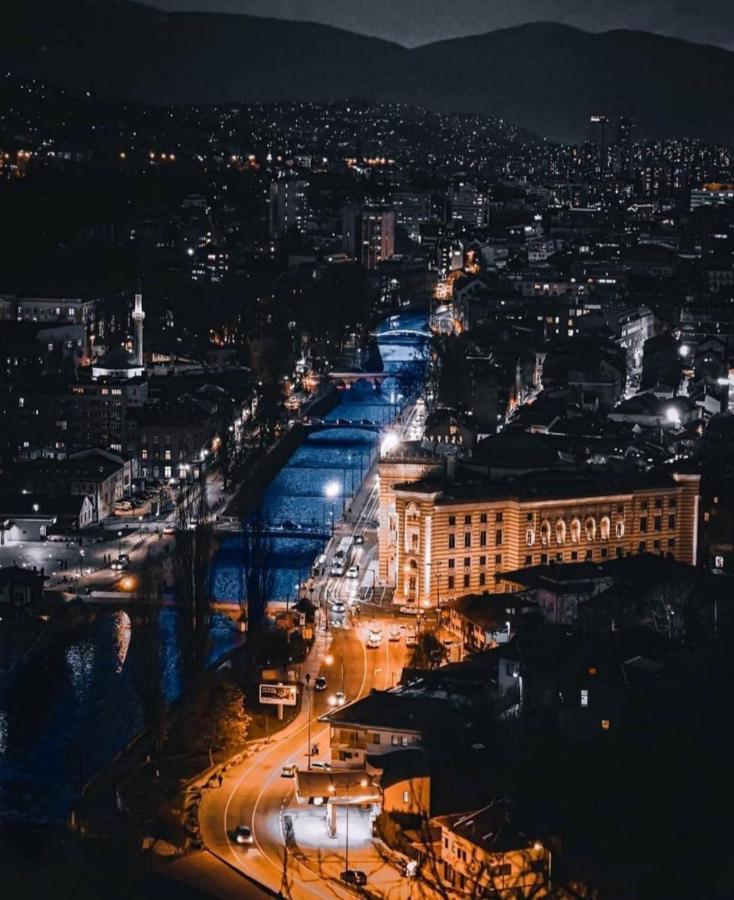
(307, 532)
(349, 378)
(324, 424)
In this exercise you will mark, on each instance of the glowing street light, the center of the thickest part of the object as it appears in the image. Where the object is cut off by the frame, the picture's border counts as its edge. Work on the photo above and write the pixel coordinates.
(389, 443)
(331, 491)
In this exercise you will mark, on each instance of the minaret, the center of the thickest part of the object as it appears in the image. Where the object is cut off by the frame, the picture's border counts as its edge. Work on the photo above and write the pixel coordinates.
(138, 318)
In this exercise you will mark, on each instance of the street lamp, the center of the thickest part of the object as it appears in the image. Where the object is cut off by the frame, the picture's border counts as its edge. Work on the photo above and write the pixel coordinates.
(81, 563)
(332, 492)
(119, 543)
(363, 784)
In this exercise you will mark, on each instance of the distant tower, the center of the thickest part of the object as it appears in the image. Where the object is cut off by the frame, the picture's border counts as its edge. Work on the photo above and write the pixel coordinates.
(601, 126)
(138, 318)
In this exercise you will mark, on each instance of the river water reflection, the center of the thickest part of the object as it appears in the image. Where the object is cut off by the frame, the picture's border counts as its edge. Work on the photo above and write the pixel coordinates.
(65, 716)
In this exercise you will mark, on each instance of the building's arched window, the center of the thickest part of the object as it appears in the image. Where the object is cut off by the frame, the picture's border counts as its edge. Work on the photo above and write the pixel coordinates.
(560, 531)
(530, 537)
(545, 533)
(605, 528)
(575, 531)
(590, 528)
(619, 529)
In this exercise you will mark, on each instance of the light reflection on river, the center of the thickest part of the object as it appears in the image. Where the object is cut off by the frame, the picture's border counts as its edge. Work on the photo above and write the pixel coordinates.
(72, 711)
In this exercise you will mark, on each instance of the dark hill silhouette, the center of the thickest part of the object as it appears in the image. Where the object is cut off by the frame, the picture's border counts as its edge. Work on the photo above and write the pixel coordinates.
(545, 77)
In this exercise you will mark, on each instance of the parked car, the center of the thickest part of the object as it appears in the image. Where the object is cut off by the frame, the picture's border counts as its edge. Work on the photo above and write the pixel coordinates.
(288, 771)
(243, 834)
(354, 877)
(324, 766)
(353, 572)
(410, 610)
(394, 635)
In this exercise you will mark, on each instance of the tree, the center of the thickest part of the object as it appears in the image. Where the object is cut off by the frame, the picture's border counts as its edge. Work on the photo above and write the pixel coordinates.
(147, 669)
(671, 606)
(223, 721)
(191, 563)
(258, 574)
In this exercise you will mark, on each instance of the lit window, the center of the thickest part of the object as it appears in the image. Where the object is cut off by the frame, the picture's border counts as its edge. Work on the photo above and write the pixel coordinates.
(584, 698)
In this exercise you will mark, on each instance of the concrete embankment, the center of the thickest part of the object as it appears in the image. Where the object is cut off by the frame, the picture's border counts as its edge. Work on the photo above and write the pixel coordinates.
(263, 469)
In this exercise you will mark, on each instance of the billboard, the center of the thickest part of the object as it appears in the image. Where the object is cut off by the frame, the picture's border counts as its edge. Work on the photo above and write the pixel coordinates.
(279, 694)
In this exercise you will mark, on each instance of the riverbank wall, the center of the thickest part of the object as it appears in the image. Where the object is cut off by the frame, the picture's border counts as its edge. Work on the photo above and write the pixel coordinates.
(265, 467)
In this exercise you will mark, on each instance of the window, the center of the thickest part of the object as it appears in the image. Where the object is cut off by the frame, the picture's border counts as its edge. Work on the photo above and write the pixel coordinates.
(452, 541)
(466, 580)
(619, 529)
(467, 520)
(529, 517)
(584, 698)
(642, 546)
(452, 520)
(543, 559)
(658, 503)
(658, 523)
(656, 545)
(482, 538)
(672, 503)
(498, 537)
(482, 578)
(498, 517)
(619, 552)
(406, 796)
(574, 555)
(530, 537)
(452, 563)
(643, 525)
(589, 554)
(606, 724)
(528, 560)
(483, 518)
(643, 504)
(671, 542)
(482, 560)
(605, 528)
(467, 538)
(590, 528)
(498, 559)
(451, 582)
(671, 522)
(144, 453)
(467, 561)
(501, 871)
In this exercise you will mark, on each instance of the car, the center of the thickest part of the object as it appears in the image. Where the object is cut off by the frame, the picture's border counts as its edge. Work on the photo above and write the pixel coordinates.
(338, 699)
(288, 771)
(243, 834)
(409, 610)
(169, 529)
(338, 606)
(353, 572)
(320, 683)
(411, 640)
(354, 877)
(324, 766)
(394, 635)
(122, 562)
(359, 539)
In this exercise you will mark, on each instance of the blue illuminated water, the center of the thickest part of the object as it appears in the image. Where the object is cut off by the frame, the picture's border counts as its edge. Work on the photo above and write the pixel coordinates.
(65, 717)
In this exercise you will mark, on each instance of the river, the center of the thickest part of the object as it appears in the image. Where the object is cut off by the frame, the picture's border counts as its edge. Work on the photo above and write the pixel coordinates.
(65, 716)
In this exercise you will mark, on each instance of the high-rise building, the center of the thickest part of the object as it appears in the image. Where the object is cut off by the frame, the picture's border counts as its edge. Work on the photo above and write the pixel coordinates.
(625, 128)
(467, 203)
(599, 124)
(288, 205)
(369, 234)
(712, 194)
(412, 208)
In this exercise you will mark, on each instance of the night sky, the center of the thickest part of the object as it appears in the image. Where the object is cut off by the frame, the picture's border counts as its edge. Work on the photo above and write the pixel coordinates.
(413, 22)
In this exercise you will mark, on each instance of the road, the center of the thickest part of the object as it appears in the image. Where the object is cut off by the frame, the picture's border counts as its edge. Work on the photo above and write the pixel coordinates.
(255, 794)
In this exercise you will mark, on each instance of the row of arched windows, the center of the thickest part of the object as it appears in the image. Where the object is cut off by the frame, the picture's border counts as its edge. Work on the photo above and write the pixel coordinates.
(558, 532)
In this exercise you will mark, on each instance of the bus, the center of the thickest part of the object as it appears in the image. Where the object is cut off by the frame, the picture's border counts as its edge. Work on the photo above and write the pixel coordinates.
(342, 556)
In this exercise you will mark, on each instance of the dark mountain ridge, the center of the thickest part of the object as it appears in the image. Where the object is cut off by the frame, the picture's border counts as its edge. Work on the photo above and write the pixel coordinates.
(545, 77)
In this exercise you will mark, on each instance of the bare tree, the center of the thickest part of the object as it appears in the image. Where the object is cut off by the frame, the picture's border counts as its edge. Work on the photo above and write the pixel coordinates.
(147, 669)
(191, 564)
(670, 606)
(258, 574)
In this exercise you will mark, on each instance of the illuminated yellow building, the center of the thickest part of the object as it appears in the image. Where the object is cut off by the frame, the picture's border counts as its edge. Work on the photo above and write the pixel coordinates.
(442, 537)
